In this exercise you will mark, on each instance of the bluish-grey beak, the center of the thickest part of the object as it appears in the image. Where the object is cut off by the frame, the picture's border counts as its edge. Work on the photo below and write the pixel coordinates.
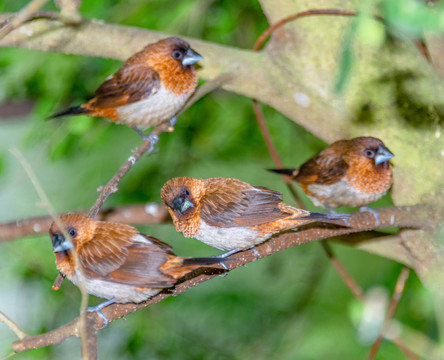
(382, 155)
(59, 243)
(181, 204)
(191, 57)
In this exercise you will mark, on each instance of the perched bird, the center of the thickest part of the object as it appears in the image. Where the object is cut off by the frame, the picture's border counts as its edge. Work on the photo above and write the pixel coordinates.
(230, 214)
(117, 262)
(347, 173)
(149, 89)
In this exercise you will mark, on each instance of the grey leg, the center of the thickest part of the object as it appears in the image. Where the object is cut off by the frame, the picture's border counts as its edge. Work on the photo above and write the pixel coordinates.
(331, 211)
(98, 309)
(173, 121)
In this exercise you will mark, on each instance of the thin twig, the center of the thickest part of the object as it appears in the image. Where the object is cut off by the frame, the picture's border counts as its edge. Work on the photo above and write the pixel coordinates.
(13, 326)
(69, 12)
(8, 356)
(111, 186)
(146, 148)
(46, 204)
(21, 17)
(337, 12)
(206, 88)
(399, 289)
(346, 277)
(149, 213)
(273, 151)
(412, 217)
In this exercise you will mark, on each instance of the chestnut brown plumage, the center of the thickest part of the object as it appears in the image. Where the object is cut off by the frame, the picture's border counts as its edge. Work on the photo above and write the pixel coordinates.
(149, 89)
(117, 262)
(347, 173)
(230, 214)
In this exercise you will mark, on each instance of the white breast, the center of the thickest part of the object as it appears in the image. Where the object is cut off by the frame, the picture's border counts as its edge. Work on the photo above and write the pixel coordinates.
(123, 293)
(340, 194)
(154, 110)
(242, 237)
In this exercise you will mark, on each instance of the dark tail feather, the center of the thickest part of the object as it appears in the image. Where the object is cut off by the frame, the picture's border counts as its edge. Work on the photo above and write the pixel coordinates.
(284, 171)
(325, 217)
(189, 264)
(202, 262)
(76, 110)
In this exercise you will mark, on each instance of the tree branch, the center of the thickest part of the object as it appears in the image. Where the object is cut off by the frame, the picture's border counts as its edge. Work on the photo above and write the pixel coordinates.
(399, 289)
(415, 216)
(92, 38)
(12, 326)
(149, 213)
(24, 15)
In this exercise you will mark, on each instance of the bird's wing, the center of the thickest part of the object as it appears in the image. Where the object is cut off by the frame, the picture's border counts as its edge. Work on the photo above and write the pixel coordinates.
(134, 261)
(130, 84)
(234, 203)
(326, 168)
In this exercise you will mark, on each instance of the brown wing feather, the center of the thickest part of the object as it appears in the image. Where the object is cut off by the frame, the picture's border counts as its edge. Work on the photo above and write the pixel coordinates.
(233, 203)
(142, 267)
(327, 167)
(115, 255)
(130, 84)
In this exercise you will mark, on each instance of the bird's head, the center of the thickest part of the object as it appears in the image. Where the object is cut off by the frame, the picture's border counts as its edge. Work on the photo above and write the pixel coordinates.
(182, 197)
(369, 152)
(79, 229)
(174, 52)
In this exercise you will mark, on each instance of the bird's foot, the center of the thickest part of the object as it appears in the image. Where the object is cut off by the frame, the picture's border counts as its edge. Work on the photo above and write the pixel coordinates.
(224, 256)
(98, 309)
(256, 253)
(173, 121)
(331, 211)
(154, 139)
(373, 211)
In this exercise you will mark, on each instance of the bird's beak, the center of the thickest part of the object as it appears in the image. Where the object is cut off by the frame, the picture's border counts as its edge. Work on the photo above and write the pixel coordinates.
(186, 205)
(59, 243)
(180, 204)
(382, 155)
(191, 57)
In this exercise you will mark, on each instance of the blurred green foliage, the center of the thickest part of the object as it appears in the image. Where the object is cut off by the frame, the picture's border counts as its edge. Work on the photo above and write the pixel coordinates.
(291, 305)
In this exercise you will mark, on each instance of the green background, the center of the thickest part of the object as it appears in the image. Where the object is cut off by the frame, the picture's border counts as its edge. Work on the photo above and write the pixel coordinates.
(292, 305)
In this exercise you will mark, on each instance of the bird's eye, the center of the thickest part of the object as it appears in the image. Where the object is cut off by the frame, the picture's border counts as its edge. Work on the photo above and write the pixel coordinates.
(178, 55)
(187, 193)
(369, 153)
(72, 232)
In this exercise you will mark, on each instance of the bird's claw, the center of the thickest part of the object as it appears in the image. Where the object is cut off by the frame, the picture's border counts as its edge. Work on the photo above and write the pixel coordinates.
(331, 211)
(98, 310)
(173, 121)
(256, 253)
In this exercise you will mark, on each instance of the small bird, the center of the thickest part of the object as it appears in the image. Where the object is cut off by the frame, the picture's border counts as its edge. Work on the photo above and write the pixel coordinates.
(230, 214)
(149, 89)
(347, 173)
(117, 262)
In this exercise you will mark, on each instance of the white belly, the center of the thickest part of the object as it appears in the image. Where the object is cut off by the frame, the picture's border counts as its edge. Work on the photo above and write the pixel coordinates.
(154, 110)
(340, 194)
(108, 290)
(242, 237)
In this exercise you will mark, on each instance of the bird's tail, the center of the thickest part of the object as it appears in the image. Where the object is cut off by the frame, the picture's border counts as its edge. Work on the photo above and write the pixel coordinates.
(291, 172)
(182, 266)
(75, 110)
(325, 217)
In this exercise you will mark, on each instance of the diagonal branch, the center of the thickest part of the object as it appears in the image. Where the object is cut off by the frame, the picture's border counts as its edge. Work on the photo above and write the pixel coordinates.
(399, 289)
(415, 216)
(13, 326)
(24, 15)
